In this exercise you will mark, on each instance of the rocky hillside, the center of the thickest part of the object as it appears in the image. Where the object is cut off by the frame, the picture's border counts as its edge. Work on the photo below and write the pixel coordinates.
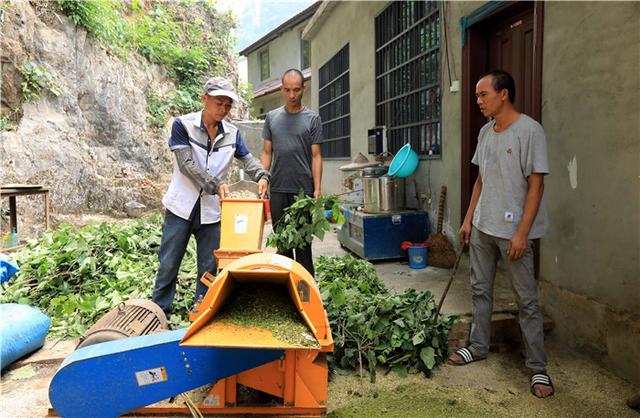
(91, 144)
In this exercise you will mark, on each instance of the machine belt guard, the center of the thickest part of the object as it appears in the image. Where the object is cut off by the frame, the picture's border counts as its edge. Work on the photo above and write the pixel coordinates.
(113, 378)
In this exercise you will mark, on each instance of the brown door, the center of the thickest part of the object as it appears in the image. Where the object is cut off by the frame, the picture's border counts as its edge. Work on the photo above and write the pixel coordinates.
(511, 50)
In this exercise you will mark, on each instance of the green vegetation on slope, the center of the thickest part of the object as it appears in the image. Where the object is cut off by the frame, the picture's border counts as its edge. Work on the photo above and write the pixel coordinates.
(167, 34)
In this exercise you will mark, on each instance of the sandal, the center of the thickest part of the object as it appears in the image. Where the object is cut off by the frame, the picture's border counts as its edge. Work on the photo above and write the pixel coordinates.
(543, 379)
(466, 355)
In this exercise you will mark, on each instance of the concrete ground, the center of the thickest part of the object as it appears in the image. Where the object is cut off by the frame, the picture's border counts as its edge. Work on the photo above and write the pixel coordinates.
(497, 387)
(397, 275)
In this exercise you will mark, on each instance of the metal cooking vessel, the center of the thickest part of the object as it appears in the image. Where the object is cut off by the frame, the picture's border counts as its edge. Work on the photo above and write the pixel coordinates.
(374, 171)
(383, 194)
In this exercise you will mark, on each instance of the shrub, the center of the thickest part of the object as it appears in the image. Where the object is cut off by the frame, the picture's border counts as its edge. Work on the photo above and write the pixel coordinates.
(157, 30)
(36, 80)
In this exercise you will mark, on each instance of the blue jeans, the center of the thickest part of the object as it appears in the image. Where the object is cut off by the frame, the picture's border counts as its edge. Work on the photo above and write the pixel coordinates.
(175, 237)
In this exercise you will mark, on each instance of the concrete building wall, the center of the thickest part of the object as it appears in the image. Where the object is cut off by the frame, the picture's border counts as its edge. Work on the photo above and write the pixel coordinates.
(590, 261)
(334, 33)
(251, 132)
(284, 53)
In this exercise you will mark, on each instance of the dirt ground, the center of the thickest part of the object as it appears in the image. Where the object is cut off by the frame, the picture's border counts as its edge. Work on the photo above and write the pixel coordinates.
(496, 387)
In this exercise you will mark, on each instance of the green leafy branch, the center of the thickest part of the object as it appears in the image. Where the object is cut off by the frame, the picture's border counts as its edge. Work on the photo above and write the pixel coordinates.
(303, 220)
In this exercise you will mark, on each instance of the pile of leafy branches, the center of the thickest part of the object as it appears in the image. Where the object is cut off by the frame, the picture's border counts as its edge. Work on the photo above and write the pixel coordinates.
(373, 326)
(304, 219)
(75, 276)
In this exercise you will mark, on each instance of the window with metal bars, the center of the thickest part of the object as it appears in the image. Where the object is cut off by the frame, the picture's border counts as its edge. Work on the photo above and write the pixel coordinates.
(335, 110)
(305, 53)
(407, 41)
(264, 65)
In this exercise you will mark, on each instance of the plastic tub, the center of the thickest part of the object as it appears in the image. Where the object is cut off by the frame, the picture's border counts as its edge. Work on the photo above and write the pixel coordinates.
(417, 256)
(404, 163)
(22, 330)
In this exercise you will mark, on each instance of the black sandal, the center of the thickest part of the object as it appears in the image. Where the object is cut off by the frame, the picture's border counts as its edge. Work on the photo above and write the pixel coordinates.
(543, 379)
(466, 355)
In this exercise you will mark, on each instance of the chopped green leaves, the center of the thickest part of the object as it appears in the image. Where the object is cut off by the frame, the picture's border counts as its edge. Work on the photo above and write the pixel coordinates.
(268, 307)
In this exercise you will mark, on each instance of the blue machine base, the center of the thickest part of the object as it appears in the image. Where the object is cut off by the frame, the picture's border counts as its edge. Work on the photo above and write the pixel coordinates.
(116, 377)
(378, 236)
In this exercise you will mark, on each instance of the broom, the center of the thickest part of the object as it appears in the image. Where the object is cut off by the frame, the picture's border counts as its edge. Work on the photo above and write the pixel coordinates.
(441, 252)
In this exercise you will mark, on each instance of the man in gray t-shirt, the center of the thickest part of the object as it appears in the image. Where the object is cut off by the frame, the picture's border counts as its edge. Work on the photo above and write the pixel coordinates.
(505, 214)
(292, 137)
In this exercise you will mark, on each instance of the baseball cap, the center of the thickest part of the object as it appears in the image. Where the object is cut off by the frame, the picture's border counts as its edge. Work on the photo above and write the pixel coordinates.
(219, 86)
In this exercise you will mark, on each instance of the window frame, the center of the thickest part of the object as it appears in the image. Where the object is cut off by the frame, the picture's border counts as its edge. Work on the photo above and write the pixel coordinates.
(304, 42)
(408, 79)
(261, 61)
(333, 99)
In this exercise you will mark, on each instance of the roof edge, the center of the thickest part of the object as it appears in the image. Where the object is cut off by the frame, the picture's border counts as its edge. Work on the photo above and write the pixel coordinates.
(318, 18)
(295, 20)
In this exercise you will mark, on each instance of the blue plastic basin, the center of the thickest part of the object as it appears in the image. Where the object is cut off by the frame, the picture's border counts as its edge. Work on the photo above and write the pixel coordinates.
(404, 163)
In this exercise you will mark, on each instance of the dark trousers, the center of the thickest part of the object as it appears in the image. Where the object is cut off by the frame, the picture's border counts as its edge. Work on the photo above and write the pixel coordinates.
(279, 202)
(175, 237)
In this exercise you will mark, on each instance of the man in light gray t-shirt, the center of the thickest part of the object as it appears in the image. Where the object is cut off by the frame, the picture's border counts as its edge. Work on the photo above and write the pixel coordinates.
(505, 214)
(506, 160)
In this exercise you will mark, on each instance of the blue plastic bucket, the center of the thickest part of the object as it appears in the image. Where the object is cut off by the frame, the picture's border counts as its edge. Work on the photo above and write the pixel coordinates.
(417, 257)
(404, 163)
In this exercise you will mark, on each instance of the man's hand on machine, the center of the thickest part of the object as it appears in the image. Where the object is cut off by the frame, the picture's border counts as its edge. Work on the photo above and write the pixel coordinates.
(223, 191)
(263, 186)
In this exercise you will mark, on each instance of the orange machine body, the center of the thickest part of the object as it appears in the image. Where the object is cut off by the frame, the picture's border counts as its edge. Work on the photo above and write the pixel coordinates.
(241, 229)
(300, 377)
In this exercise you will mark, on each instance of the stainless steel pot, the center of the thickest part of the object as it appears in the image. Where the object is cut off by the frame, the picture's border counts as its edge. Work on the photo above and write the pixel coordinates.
(383, 194)
(375, 171)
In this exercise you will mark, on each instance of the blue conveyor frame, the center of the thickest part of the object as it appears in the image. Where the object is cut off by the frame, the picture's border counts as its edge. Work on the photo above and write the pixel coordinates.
(101, 381)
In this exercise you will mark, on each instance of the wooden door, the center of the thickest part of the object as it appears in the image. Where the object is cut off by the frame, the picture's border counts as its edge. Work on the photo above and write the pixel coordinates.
(510, 48)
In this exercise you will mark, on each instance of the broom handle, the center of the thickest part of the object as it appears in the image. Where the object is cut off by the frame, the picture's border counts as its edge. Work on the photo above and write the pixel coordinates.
(443, 193)
(446, 290)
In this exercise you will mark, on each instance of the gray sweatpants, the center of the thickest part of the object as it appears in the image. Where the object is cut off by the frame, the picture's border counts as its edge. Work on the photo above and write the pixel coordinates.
(486, 250)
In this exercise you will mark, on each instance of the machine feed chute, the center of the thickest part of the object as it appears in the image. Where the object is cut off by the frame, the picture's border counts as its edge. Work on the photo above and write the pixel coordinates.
(261, 301)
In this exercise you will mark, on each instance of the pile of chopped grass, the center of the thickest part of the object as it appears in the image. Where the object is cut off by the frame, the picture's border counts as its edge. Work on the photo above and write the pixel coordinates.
(268, 307)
